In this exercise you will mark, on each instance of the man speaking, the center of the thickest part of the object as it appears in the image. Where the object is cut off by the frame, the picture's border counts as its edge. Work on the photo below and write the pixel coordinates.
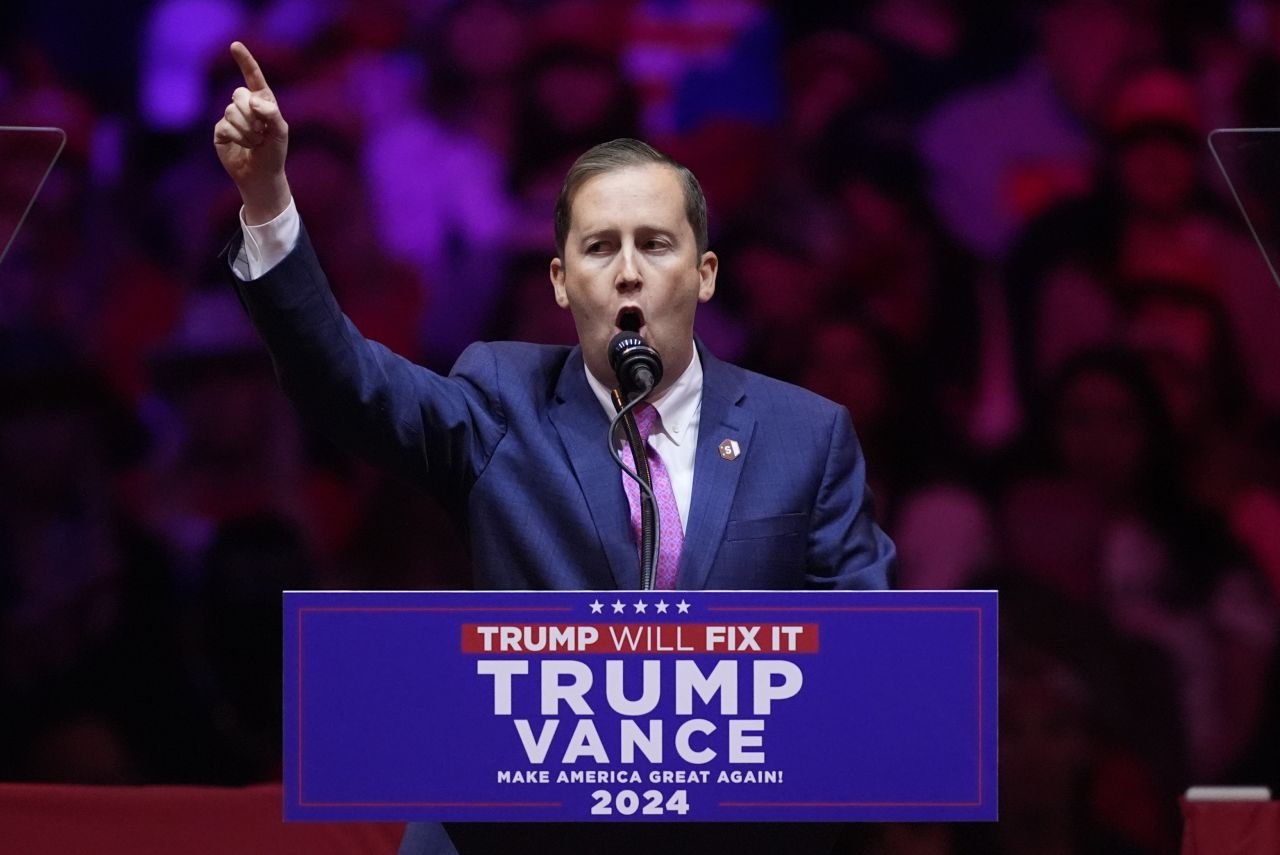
(758, 484)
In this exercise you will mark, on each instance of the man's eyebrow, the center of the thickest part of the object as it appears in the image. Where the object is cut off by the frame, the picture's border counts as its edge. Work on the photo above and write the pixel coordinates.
(589, 234)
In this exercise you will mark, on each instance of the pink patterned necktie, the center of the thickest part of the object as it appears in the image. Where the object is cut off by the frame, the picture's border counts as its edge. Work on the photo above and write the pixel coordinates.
(672, 539)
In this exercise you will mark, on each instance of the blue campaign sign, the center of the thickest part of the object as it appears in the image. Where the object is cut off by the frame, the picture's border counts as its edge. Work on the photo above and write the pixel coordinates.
(640, 706)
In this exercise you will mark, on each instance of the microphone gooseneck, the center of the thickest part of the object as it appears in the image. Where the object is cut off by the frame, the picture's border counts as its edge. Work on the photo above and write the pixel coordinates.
(650, 531)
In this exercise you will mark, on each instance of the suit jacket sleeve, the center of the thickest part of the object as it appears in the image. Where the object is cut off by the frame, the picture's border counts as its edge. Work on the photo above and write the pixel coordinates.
(847, 549)
(439, 431)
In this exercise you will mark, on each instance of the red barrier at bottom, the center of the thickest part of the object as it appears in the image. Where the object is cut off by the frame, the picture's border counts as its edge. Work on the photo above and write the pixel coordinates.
(43, 819)
(1230, 828)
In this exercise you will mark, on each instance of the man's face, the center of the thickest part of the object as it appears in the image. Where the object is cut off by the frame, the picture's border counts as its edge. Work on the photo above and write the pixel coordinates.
(631, 262)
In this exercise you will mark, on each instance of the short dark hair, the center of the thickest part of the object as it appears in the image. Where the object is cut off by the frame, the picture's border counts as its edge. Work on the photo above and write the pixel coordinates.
(619, 154)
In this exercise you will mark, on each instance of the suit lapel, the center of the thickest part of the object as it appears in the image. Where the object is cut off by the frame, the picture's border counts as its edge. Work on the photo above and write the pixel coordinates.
(715, 479)
(581, 423)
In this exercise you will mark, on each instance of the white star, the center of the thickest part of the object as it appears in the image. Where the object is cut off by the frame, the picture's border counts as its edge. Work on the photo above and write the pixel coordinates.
(618, 607)
(682, 607)
(641, 605)
(661, 606)
(596, 607)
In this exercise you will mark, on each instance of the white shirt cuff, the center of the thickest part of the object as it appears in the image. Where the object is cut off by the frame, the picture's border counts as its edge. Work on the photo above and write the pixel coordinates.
(266, 245)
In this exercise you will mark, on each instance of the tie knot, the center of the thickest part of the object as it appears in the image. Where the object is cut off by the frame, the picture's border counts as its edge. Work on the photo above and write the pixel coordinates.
(646, 419)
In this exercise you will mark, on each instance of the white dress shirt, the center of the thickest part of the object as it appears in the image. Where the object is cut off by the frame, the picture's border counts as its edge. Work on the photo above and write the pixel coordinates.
(267, 244)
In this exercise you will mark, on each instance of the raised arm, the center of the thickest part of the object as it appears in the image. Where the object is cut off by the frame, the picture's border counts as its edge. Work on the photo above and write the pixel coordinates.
(434, 430)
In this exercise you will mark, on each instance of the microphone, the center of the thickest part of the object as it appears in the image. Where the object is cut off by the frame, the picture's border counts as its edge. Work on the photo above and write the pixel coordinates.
(639, 369)
(637, 365)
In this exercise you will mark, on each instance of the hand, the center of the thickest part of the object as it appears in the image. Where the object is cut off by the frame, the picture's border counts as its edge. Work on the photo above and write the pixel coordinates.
(252, 139)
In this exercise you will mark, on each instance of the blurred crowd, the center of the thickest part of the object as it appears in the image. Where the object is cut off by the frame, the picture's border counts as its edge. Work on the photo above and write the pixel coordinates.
(993, 231)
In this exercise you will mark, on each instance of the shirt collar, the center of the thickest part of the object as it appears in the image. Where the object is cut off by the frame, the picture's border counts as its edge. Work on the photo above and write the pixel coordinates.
(677, 407)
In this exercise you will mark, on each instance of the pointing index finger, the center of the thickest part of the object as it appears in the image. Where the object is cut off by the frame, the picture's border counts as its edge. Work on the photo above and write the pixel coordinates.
(253, 77)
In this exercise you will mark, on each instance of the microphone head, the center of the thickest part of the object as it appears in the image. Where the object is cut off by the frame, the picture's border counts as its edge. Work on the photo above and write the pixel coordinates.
(637, 365)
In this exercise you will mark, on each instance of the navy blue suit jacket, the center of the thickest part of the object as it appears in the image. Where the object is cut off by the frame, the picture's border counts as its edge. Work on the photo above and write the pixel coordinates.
(514, 441)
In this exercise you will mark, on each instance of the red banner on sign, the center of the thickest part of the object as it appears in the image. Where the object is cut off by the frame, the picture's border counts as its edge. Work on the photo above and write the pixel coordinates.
(726, 638)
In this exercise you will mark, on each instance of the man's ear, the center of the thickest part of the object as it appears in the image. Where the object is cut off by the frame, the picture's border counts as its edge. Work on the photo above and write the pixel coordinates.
(707, 276)
(557, 282)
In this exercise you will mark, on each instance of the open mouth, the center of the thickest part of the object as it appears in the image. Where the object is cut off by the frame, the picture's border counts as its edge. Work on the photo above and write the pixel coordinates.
(630, 319)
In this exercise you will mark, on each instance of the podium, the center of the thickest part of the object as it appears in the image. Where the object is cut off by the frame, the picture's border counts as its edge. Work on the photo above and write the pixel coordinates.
(640, 706)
